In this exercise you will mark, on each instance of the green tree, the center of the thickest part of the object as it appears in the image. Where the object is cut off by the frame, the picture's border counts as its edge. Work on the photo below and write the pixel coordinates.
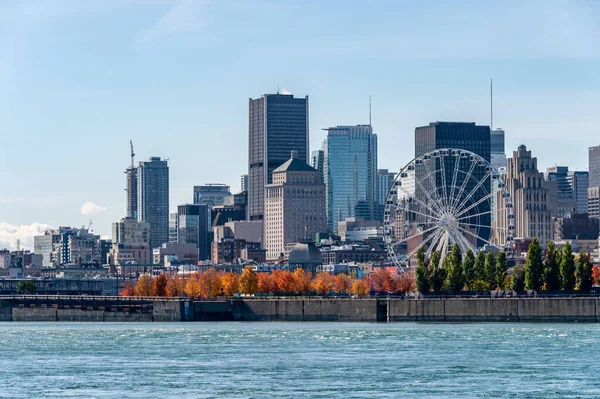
(421, 275)
(26, 287)
(480, 266)
(454, 277)
(517, 280)
(567, 268)
(501, 267)
(468, 267)
(584, 272)
(490, 271)
(436, 273)
(534, 267)
(552, 268)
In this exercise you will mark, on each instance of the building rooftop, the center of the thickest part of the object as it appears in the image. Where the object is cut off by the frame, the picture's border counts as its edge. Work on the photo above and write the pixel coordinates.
(294, 164)
(305, 253)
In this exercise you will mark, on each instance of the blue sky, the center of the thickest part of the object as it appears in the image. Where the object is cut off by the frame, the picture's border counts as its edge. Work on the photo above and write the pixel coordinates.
(79, 79)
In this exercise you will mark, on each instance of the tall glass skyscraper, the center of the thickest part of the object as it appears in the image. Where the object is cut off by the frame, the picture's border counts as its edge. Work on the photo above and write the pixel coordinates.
(153, 198)
(192, 227)
(278, 125)
(350, 170)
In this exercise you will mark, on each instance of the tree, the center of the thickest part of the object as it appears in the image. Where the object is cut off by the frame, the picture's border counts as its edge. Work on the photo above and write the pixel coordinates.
(534, 267)
(360, 287)
(421, 276)
(468, 267)
(322, 283)
(595, 274)
(302, 279)
(192, 286)
(437, 274)
(26, 287)
(264, 283)
(340, 283)
(455, 277)
(145, 286)
(405, 283)
(501, 267)
(479, 267)
(517, 281)
(552, 267)
(285, 281)
(490, 271)
(230, 284)
(127, 290)
(274, 281)
(210, 284)
(584, 272)
(567, 268)
(175, 286)
(160, 285)
(381, 280)
(248, 281)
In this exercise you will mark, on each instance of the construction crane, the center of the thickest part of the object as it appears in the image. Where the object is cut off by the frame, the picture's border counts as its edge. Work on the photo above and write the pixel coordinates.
(90, 226)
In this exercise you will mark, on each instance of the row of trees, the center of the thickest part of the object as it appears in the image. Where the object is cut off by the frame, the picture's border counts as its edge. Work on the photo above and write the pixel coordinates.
(213, 284)
(558, 271)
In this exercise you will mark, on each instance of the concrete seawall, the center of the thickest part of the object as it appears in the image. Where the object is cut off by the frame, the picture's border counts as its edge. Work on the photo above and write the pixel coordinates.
(556, 309)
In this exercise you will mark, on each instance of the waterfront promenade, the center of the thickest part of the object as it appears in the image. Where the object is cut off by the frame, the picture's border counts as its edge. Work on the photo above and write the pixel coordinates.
(385, 309)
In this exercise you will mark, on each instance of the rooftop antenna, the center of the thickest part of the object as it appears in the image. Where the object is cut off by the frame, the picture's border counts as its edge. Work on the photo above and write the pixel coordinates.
(369, 110)
(491, 105)
(132, 153)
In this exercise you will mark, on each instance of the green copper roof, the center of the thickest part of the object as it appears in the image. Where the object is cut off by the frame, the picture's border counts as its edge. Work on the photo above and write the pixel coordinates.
(294, 164)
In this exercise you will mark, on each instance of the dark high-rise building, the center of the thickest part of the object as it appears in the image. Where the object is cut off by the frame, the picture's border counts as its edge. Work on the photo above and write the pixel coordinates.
(153, 198)
(465, 136)
(131, 189)
(594, 166)
(192, 228)
(317, 159)
(278, 125)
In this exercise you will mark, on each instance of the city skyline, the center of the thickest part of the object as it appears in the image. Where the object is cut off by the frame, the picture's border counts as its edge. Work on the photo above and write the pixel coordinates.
(545, 90)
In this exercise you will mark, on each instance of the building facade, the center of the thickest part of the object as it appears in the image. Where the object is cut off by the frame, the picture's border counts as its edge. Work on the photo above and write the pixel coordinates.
(579, 182)
(192, 228)
(244, 183)
(350, 171)
(385, 179)
(531, 203)
(153, 198)
(497, 149)
(561, 191)
(594, 166)
(130, 231)
(277, 125)
(317, 159)
(294, 206)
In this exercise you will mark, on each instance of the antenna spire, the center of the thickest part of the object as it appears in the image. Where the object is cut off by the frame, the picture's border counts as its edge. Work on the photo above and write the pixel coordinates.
(369, 110)
(491, 104)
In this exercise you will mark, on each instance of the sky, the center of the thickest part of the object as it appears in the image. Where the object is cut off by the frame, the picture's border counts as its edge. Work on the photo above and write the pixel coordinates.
(79, 79)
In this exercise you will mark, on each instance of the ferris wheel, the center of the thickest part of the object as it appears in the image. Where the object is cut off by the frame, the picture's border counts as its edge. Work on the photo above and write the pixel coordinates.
(446, 197)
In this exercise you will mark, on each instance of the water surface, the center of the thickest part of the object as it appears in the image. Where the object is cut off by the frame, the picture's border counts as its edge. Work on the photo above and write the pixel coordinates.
(298, 360)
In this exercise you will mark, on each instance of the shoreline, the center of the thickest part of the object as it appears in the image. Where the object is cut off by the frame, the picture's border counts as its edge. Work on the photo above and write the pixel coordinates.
(105, 309)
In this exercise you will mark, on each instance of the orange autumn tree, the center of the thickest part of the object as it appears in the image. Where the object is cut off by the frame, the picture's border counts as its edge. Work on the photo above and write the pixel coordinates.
(192, 286)
(302, 279)
(405, 283)
(285, 281)
(264, 283)
(595, 274)
(360, 287)
(274, 281)
(248, 281)
(145, 286)
(175, 286)
(340, 283)
(322, 283)
(128, 289)
(210, 284)
(381, 279)
(160, 285)
(230, 284)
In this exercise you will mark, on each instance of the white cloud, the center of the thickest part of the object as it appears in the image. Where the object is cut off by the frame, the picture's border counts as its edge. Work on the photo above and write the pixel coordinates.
(89, 208)
(9, 234)
(186, 16)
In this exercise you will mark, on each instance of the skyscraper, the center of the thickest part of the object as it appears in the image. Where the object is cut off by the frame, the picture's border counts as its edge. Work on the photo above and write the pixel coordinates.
(497, 151)
(131, 187)
(317, 159)
(192, 228)
(561, 191)
(153, 198)
(244, 183)
(580, 182)
(385, 179)
(294, 206)
(594, 165)
(530, 199)
(350, 171)
(278, 124)
(465, 136)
